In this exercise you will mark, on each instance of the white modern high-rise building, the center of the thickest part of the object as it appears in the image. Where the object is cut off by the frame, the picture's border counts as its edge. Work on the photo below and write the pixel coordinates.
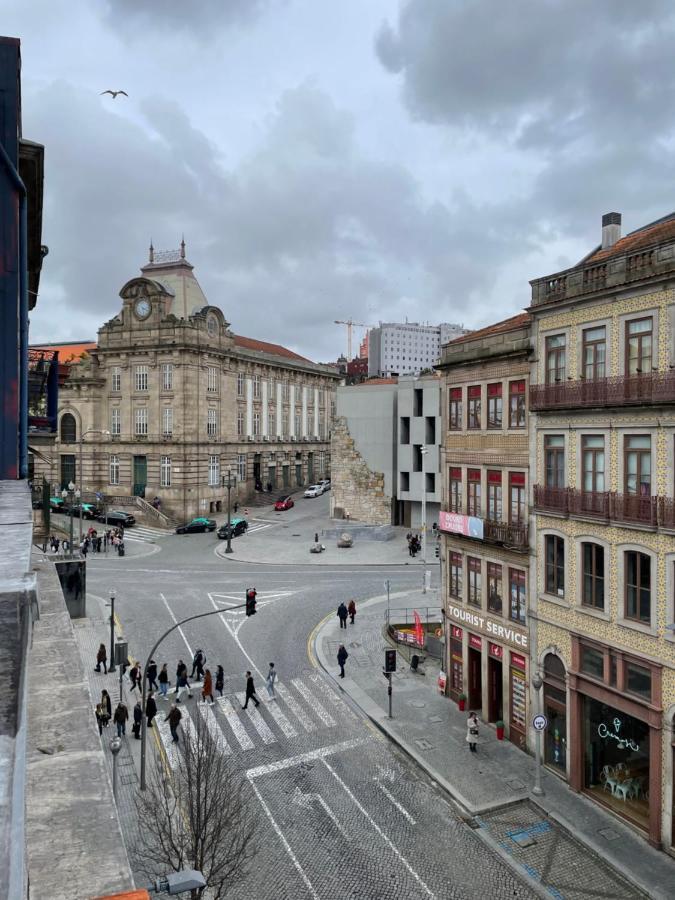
(407, 348)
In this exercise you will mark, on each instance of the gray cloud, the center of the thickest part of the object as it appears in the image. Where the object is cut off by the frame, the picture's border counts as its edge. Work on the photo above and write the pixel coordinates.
(202, 18)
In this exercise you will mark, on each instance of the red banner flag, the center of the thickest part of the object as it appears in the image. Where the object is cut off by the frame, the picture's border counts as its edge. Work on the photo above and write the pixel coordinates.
(419, 631)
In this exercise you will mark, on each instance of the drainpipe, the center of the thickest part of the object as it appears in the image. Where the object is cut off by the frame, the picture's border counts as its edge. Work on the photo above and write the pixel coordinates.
(23, 312)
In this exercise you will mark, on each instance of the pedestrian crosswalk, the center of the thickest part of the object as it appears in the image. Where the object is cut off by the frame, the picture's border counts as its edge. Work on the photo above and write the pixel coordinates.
(298, 708)
(144, 533)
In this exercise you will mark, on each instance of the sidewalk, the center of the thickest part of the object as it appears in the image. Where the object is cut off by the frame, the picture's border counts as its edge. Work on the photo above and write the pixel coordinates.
(560, 839)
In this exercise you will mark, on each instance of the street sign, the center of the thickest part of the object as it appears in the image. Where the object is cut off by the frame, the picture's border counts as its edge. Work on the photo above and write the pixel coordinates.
(539, 722)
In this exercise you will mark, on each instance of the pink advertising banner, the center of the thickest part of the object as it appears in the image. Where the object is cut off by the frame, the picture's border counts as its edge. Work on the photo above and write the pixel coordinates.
(455, 523)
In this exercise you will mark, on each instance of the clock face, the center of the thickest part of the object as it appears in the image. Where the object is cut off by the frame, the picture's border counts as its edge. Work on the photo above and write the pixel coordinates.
(142, 308)
(212, 325)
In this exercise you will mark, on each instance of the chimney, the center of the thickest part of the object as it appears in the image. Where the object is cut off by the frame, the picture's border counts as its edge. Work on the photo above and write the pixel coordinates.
(611, 229)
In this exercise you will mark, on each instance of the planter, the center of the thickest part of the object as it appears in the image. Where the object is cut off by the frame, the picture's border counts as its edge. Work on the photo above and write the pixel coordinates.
(500, 730)
(461, 703)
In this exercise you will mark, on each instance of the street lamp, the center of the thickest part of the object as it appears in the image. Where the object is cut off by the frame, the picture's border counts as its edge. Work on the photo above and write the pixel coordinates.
(537, 790)
(82, 437)
(111, 667)
(115, 747)
(424, 451)
(68, 495)
(229, 481)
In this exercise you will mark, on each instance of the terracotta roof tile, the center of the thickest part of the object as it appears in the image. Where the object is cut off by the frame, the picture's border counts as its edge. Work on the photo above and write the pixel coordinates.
(656, 232)
(265, 347)
(519, 321)
(376, 381)
(68, 352)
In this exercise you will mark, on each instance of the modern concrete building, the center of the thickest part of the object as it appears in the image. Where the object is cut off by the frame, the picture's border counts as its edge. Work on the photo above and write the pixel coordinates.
(407, 348)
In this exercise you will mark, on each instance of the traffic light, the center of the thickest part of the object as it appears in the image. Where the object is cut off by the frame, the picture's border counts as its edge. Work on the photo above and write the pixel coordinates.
(438, 550)
(389, 661)
(250, 601)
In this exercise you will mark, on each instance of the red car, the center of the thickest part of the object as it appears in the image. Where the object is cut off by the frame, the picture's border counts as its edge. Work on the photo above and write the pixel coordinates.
(284, 503)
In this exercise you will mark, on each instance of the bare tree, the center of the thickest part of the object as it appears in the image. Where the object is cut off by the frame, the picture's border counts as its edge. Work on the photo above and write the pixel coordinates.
(197, 817)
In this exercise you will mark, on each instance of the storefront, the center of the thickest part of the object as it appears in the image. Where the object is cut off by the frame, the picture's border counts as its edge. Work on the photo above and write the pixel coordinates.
(555, 710)
(615, 733)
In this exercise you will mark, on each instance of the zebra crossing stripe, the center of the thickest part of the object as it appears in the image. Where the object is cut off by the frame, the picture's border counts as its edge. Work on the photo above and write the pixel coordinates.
(281, 720)
(295, 707)
(258, 722)
(240, 732)
(330, 695)
(214, 729)
(312, 702)
(170, 748)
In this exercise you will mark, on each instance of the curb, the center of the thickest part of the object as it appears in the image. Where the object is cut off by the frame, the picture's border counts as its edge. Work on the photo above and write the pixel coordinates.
(256, 562)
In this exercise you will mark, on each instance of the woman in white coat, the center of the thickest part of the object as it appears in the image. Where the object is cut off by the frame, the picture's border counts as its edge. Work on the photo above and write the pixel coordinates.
(472, 731)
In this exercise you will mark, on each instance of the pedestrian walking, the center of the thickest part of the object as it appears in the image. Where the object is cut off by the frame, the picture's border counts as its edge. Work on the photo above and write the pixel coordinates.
(101, 659)
(269, 681)
(235, 507)
(342, 657)
(173, 719)
(472, 731)
(220, 680)
(106, 707)
(163, 681)
(351, 609)
(151, 675)
(150, 708)
(100, 719)
(182, 683)
(135, 677)
(198, 661)
(250, 691)
(121, 718)
(207, 688)
(84, 547)
(138, 718)
(342, 615)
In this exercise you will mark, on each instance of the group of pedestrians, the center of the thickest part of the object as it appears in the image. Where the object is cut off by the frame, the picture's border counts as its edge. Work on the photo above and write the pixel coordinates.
(414, 544)
(92, 542)
(344, 612)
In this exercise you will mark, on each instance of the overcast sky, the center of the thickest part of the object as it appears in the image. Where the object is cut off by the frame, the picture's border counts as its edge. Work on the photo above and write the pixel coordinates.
(370, 159)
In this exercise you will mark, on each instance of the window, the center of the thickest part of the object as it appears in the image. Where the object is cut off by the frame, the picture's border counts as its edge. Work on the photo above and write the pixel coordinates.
(554, 574)
(240, 422)
(638, 680)
(637, 575)
(167, 376)
(211, 379)
(114, 470)
(473, 397)
(455, 499)
(593, 462)
(494, 496)
(165, 471)
(405, 429)
(494, 402)
(240, 384)
(455, 576)
(405, 481)
(141, 421)
(430, 482)
(555, 358)
(475, 590)
(455, 410)
(516, 404)
(517, 595)
(68, 428)
(517, 503)
(473, 506)
(116, 379)
(594, 349)
(287, 391)
(638, 464)
(494, 586)
(256, 386)
(592, 661)
(115, 420)
(211, 423)
(241, 466)
(214, 471)
(593, 575)
(141, 378)
(167, 421)
(639, 346)
(554, 460)
(297, 424)
(256, 423)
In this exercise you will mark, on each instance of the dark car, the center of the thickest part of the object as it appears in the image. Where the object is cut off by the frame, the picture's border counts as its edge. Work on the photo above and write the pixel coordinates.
(197, 526)
(117, 518)
(236, 527)
(86, 510)
(284, 503)
(56, 504)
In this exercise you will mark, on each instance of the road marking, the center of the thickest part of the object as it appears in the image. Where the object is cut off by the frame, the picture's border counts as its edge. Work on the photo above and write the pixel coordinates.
(314, 704)
(377, 828)
(292, 761)
(295, 707)
(233, 632)
(387, 793)
(214, 729)
(258, 722)
(175, 621)
(287, 846)
(307, 801)
(232, 718)
(272, 708)
(329, 694)
(170, 748)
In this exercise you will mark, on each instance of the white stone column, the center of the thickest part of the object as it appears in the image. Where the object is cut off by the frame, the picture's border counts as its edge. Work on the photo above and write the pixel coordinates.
(291, 410)
(280, 409)
(249, 407)
(303, 421)
(265, 409)
(316, 411)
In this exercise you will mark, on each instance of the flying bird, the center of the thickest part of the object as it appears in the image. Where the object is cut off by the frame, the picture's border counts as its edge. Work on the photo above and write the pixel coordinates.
(114, 93)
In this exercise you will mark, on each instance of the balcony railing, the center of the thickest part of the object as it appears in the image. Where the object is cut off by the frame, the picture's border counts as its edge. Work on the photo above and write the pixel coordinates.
(515, 535)
(608, 506)
(620, 390)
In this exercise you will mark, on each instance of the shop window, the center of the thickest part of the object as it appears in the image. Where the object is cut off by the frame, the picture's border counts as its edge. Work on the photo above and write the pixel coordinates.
(638, 680)
(473, 505)
(554, 460)
(554, 554)
(639, 334)
(517, 595)
(494, 496)
(494, 585)
(494, 404)
(475, 587)
(516, 404)
(593, 575)
(455, 575)
(555, 358)
(594, 351)
(455, 410)
(637, 577)
(473, 402)
(593, 662)
(455, 486)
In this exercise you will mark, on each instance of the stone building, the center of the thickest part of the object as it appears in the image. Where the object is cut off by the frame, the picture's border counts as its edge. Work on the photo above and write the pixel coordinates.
(484, 521)
(171, 399)
(603, 460)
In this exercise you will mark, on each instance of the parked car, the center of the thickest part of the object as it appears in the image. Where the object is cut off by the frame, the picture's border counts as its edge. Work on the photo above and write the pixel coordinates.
(314, 490)
(197, 526)
(284, 503)
(236, 527)
(117, 518)
(56, 504)
(86, 510)
(325, 483)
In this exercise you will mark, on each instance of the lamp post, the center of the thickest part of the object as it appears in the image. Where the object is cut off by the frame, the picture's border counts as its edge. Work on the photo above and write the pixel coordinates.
(115, 747)
(111, 667)
(424, 451)
(229, 482)
(69, 494)
(82, 437)
(537, 790)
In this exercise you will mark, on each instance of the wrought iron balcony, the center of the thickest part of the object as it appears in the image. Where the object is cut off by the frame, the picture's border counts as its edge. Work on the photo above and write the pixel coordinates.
(607, 506)
(512, 535)
(620, 390)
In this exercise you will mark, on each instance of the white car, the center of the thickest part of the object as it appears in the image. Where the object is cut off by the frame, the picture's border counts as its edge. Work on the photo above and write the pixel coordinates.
(315, 490)
(325, 484)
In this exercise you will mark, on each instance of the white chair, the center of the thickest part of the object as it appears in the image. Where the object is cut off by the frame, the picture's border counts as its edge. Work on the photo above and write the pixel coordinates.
(608, 778)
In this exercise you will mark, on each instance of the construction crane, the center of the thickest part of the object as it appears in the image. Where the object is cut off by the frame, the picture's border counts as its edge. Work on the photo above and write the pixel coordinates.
(350, 324)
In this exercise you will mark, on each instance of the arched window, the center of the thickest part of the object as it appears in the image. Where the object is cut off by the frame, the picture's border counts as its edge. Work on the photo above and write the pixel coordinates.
(68, 429)
(554, 666)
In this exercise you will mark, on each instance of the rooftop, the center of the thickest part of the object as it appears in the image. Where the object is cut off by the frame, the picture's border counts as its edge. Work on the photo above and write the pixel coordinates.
(248, 343)
(519, 321)
(656, 232)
